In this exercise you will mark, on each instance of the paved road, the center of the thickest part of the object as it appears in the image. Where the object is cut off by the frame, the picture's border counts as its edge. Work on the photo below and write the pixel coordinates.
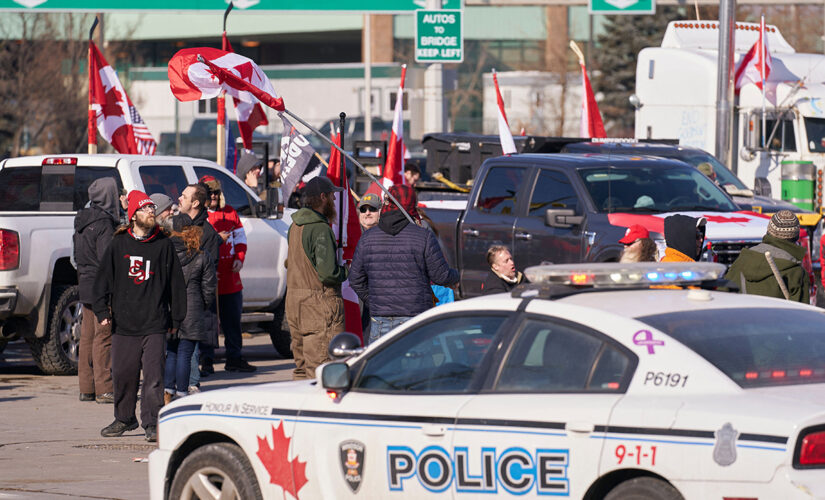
(50, 444)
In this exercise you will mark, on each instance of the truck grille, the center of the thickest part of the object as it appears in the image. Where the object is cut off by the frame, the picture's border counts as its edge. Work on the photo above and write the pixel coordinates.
(727, 251)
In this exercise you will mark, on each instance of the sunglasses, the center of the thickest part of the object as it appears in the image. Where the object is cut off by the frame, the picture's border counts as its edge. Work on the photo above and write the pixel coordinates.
(367, 208)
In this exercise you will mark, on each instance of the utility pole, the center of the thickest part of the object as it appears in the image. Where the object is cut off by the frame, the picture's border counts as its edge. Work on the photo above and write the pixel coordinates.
(367, 79)
(724, 84)
(434, 90)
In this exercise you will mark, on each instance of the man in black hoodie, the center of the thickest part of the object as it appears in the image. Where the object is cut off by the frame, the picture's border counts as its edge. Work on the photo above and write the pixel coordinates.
(140, 291)
(394, 265)
(94, 227)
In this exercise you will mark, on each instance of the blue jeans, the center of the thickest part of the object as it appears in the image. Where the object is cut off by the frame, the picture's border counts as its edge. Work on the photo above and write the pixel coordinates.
(195, 372)
(381, 325)
(178, 365)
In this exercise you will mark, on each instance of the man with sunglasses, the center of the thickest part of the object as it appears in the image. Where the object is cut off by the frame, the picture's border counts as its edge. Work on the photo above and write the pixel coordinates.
(368, 210)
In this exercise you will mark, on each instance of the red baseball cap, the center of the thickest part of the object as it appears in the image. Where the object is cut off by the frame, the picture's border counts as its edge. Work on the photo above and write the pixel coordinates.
(633, 233)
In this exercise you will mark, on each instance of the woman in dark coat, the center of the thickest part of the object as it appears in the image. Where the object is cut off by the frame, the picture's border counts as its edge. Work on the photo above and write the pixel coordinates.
(201, 281)
(503, 276)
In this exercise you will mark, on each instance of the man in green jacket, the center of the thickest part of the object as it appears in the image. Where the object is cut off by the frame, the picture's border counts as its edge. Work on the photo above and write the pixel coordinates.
(314, 306)
(752, 270)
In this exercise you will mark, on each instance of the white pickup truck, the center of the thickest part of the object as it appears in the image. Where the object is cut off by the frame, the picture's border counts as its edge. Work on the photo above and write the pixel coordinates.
(39, 197)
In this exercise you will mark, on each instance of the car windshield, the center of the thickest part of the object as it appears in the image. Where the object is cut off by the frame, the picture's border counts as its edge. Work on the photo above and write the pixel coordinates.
(750, 346)
(662, 186)
(723, 175)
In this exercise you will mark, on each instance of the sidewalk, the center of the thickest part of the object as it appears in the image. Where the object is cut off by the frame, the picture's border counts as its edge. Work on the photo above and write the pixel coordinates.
(50, 444)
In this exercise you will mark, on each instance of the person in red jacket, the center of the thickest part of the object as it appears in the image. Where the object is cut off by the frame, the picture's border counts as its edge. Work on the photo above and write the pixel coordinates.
(228, 224)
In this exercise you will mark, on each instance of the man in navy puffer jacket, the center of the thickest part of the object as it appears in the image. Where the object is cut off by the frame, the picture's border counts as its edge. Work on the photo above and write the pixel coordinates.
(395, 263)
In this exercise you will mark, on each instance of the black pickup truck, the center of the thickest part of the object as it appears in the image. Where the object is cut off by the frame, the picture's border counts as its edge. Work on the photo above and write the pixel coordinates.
(565, 208)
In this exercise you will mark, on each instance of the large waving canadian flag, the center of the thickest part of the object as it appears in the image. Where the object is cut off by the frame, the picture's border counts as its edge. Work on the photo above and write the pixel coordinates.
(250, 115)
(117, 119)
(756, 65)
(508, 146)
(591, 122)
(394, 165)
(203, 72)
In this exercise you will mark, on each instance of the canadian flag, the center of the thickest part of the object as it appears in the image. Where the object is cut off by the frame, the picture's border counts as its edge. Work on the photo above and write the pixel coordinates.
(117, 119)
(591, 123)
(508, 147)
(348, 238)
(394, 164)
(250, 115)
(191, 79)
(756, 65)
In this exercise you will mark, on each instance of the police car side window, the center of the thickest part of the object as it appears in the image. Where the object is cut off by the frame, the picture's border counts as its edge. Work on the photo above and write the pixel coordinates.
(440, 357)
(498, 194)
(556, 357)
(553, 190)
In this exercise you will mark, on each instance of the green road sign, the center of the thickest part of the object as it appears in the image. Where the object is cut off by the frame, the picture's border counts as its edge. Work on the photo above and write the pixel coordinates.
(383, 6)
(439, 36)
(622, 6)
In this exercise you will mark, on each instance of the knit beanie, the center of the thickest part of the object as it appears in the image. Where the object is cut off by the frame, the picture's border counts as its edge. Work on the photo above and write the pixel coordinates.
(161, 201)
(247, 162)
(137, 200)
(784, 225)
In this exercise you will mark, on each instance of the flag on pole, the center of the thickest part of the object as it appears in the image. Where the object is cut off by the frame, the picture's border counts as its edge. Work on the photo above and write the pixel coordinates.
(508, 147)
(348, 238)
(250, 115)
(191, 80)
(755, 66)
(296, 154)
(394, 163)
(118, 121)
(591, 122)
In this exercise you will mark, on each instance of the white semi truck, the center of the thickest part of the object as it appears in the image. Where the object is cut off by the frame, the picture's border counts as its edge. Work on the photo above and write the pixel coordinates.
(676, 90)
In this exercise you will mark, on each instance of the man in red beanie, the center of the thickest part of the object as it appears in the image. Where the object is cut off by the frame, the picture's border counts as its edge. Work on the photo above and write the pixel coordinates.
(393, 266)
(140, 291)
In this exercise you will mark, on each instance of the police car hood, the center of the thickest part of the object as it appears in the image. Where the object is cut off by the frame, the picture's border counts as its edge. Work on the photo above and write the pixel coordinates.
(743, 225)
(246, 399)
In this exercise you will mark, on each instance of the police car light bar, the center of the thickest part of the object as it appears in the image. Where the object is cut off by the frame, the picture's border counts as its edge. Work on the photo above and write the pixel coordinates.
(615, 275)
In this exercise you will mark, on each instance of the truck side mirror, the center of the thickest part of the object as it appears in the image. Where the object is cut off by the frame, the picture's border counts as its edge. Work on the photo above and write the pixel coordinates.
(274, 205)
(562, 217)
(752, 133)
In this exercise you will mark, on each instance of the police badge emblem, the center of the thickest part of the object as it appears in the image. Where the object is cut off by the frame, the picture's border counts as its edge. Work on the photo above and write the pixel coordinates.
(352, 463)
(724, 451)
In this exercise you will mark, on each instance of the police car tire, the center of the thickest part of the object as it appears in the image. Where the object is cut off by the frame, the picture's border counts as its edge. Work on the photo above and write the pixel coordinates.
(217, 461)
(644, 488)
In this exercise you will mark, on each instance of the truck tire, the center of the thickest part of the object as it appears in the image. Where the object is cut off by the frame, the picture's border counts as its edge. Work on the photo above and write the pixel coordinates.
(217, 470)
(56, 353)
(644, 488)
(279, 332)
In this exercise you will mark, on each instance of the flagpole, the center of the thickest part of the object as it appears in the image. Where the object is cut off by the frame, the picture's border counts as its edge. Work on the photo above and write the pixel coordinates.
(92, 119)
(762, 55)
(221, 102)
(350, 158)
(342, 171)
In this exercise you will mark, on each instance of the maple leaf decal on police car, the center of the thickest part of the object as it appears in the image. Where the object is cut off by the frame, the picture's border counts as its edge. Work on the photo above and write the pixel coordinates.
(288, 474)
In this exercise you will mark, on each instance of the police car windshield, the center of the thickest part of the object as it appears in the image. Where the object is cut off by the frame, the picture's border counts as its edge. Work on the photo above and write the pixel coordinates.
(750, 346)
(660, 187)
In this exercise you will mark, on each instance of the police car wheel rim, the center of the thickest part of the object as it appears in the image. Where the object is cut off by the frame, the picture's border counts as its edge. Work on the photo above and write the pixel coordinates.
(210, 483)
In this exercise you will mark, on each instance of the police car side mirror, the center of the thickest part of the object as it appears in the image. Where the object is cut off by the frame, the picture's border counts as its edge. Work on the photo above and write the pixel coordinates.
(562, 217)
(335, 376)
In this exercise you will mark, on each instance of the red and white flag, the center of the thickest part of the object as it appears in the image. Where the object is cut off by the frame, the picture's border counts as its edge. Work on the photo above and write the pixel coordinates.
(591, 123)
(250, 115)
(117, 119)
(756, 65)
(239, 76)
(508, 147)
(394, 164)
(348, 238)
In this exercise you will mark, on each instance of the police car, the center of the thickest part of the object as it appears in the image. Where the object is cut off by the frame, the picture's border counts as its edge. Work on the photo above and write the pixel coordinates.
(585, 384)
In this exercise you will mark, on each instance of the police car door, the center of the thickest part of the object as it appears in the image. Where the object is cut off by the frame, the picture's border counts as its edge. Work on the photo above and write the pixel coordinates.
(529, 433)
(390, 435)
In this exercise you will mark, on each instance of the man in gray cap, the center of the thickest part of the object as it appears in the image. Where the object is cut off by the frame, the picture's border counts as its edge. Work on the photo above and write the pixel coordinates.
(759, 269)
(369, 209)
(163, 206)
(314, 306)
(248, 169)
